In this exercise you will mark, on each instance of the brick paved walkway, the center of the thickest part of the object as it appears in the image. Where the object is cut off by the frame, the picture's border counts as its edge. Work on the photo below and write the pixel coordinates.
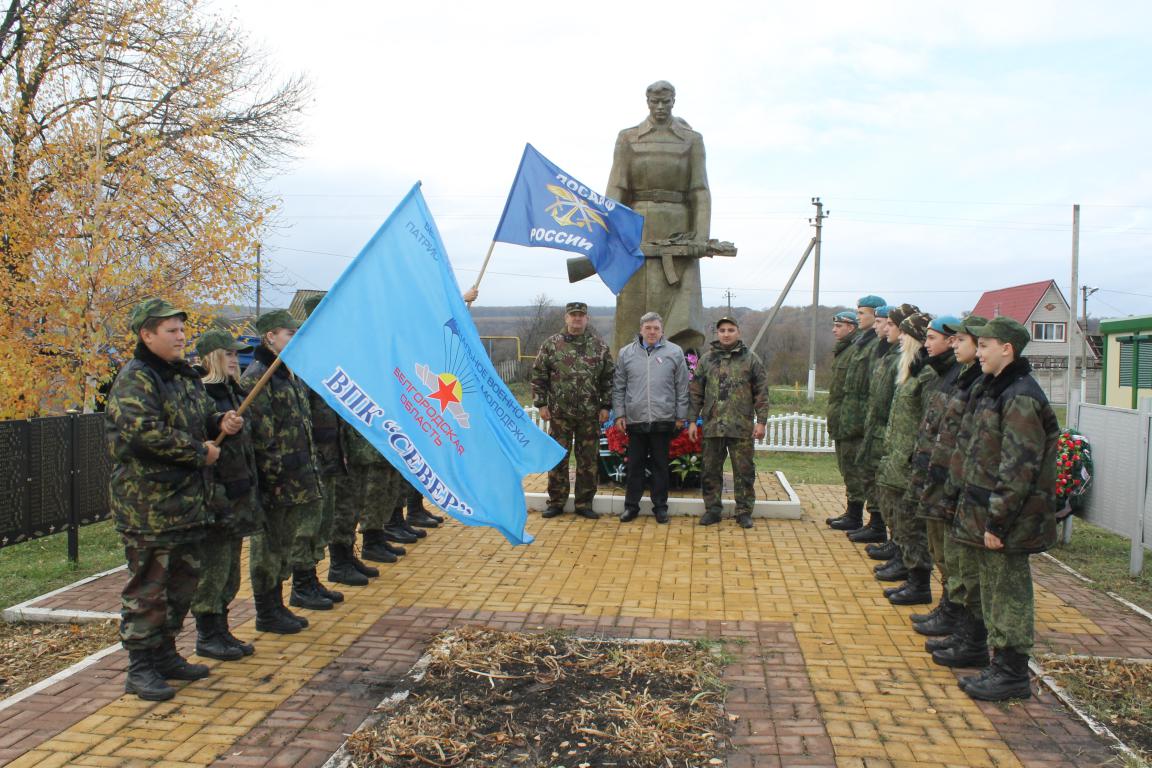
(826, 673)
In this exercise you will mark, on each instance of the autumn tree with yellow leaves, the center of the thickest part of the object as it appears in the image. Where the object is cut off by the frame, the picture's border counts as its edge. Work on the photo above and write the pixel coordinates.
(134, 137)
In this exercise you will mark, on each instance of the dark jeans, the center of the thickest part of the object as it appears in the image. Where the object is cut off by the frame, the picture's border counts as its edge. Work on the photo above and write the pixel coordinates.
(648, 448)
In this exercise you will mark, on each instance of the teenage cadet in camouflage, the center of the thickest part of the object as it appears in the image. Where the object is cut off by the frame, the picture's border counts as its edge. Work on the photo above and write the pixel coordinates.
(290, 489)
(966, 645)
(366, 497)
(1007, 507)
(235, 503)
(844, 329)
(853, 410)
(572, 387)
(730, 391)
(880, 390)
(159, 422)
(914, 376)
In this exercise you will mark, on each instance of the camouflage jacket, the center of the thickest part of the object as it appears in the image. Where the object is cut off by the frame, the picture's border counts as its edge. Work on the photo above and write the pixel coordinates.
(904, 420)
(841, 357)
(880, 394)
(729, 388)
(936, 401)
(938, 498)
(158, 418)
(1009, 472)
(572, 376)
(330, 436)
(857, 376)
(236, 500)
(285, 455)
(362, 453)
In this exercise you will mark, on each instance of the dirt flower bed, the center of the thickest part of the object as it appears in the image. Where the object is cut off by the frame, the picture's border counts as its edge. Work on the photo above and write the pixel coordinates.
(1117, 693)
(31, 652)
(491, 698)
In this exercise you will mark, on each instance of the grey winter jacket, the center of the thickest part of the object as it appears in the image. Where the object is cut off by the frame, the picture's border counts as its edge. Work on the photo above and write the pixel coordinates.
(650, 385)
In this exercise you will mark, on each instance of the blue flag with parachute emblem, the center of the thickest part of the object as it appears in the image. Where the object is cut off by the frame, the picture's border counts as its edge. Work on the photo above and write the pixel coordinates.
(548, 208)
(394, 351)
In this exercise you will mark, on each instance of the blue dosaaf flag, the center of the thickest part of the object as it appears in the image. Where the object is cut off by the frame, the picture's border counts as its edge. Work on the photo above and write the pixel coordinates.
(394, 351)
(548, 208)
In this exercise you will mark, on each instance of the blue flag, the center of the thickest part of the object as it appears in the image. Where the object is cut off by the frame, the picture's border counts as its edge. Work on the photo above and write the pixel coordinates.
(394, 351)
(548, 208)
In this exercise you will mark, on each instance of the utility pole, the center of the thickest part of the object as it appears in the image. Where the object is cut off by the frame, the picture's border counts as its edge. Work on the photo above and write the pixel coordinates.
(728, 295)
(257, 279)
(818, 222)
(1072, 308)
(1086, 291)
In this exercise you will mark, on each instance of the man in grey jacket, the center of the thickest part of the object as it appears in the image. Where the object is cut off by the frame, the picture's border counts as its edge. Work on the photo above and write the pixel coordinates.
(650, 398)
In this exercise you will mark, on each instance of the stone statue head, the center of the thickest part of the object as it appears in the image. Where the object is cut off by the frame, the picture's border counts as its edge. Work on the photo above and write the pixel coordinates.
(661, 97)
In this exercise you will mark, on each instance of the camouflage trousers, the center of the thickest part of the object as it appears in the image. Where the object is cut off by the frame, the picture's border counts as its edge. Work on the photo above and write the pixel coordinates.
(286, 543)
(327, 515)
(383, 489)
(889, 501)
(963, 575)
(161, 583)
(1006, 599)
(857, 476)
(219, 571)
(912, 535)
(348, 491)
(585, 435)
(306, 535)
(742, 453)
(937, 533)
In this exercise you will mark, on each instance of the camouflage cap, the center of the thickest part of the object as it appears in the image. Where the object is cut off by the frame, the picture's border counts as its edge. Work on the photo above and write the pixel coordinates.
(218, 338)
(1004, 329)
(727, 319)
(967, 324)
(311, 303)
(945, 324)
(896, 314)
(150, 308)
(871, 301)
(575, 306)
(883, 311)
(847, 316)
(277, 318)
(916, 325)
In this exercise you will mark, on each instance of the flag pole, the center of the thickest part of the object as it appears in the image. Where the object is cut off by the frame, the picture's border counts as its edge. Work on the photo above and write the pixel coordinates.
(251, 396)
(483, 268)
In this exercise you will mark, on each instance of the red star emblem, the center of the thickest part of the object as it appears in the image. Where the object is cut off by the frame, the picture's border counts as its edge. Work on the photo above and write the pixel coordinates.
(446, 394)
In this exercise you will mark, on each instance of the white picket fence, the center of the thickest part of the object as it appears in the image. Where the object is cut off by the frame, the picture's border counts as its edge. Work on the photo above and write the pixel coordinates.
(797, 432)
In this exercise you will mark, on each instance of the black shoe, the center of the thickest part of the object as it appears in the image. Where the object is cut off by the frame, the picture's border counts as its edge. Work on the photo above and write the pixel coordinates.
(1009, 678)
(661, 516)
(270, 619)
(851, 520)
(398, 535)
(744, 520)
(359, 565)
(946, 622)
(210, 643)
(395, 549)
(711, 517)
(222, 622)
(170, 665)
(885, 551)
(916, 591)
(940, 643)
(376, 547)
(278, 594)
(143, 679)
(305, 595)
(971, 651)
(340, 567)
(588, 513)
(416, 505)
(840, 517)
(873, 533)
(918, 618)
(323, 591)
(399, 523)
(551, 512)
(418, 517)
(629, 515)
(893, 570)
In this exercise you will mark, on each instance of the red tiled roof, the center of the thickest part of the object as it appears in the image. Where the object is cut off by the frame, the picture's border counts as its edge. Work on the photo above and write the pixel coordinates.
(1017, 302)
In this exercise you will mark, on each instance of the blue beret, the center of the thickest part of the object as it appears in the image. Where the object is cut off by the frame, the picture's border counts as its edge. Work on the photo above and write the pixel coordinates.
(883, 311)
(871, 301)
(945, 324)
(847, 316)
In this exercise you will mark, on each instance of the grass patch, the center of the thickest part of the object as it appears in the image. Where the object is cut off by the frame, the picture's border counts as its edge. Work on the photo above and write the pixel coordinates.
(1117, 693)
(807, 468)
(795, 400)
(1103, 557)
(32, 568)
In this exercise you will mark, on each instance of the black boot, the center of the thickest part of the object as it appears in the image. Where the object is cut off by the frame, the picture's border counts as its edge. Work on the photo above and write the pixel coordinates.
(949, 641)
(283, 609)
(376, 548)
(143, 679)
(917, 618)
(893, 570)
(885, 551)
(873, 533)
(1009, 678)
(416, 504)
(916, 591)
(210, 643)
(971, 651)
(418, 517)
(172, 666)
(398, 522)
(946, 622)
(397, 534)
(245, 648)
(305, 595)
(340, 567)
(829, 520)
(323, 591)
(852, 520)
(359, 565)
(269, 618)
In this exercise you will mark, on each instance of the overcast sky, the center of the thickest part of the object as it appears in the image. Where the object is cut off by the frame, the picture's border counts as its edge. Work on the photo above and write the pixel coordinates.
(948, 140)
